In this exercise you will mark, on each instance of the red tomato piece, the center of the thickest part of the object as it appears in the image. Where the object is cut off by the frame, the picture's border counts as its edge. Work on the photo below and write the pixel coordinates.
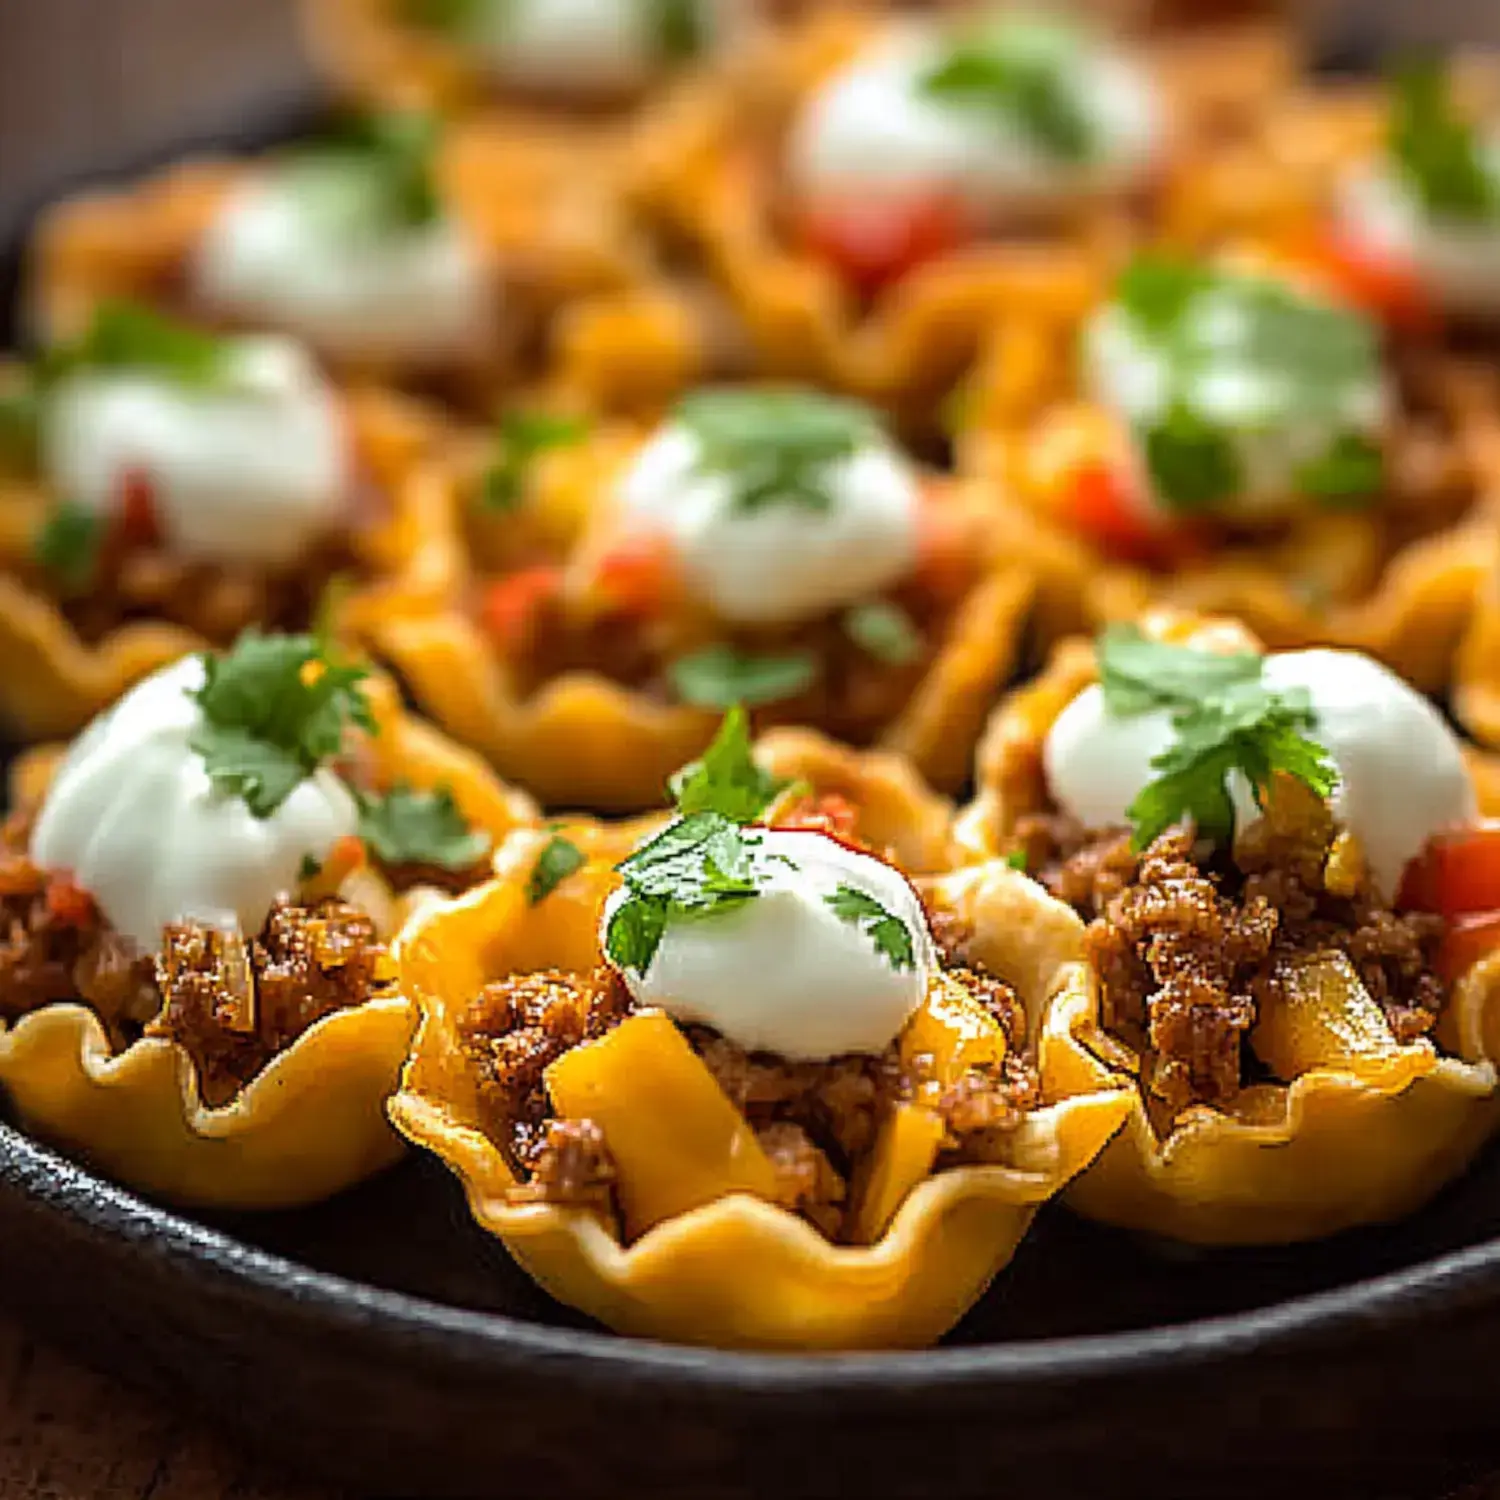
(636, 576)
(1099, 505)
(874, 245)
(1457, 874)
(945, 550)
(67, 903)
(1466, 942)
(511, 605)
(827, 812)
(138, 524)
(1383, 286)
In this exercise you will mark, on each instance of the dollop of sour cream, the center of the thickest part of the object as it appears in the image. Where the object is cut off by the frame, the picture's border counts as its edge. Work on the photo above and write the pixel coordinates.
(132, 817)
(1401, 769)
(289, 253)
(779, 561)
(1215, 365)
(589, 44)
(873, 133)
(784, 973)
(253, 467)
(1458, 260)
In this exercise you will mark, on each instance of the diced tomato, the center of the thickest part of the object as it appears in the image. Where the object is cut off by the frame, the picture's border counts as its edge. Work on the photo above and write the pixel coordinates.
(1457, 874)
(1098, 504)
(138, 524)
(1383, 286)
(874, 245)
(511, 605)
(1466, 942)
(68, 903)
(347, 856)
(635, 576)
(827, 812)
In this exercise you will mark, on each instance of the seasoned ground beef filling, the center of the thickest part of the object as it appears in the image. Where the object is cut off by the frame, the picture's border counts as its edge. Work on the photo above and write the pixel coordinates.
(233, 1005)
(1188, 952)
(815, 1121)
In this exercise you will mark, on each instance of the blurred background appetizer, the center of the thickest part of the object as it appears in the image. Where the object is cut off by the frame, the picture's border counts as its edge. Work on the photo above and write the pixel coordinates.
(745, 1085)
(163, 487)
(1292, 930)
(766, 546)
(200, 897)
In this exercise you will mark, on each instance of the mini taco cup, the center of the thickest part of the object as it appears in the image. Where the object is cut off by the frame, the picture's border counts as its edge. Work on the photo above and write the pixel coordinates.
(309, 1123)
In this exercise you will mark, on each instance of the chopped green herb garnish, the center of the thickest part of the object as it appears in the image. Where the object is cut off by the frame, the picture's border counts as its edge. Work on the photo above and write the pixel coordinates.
(890, 935)
(1156, 290)
(885, 631)
(525, 436)
(275, 708)
(1138, 674)
(1439, 152)
(20, 423)
(727, 780)
(1350, 473)
(1227, 722)
(407, 827)
(68, 544)
(1193, 463)
(721, 676)
(1026, 73)
(442, 15)
(1017, 860)
(776, 446)
(374, 176)
(680, 29)
(559, 858)
(128, 336)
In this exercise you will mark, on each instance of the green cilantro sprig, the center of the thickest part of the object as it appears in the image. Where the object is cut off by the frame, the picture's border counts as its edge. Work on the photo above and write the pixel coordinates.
(680, 27)
(375, 175)
(560, 857)
(447, 16)
(775, 445)
(20, 424)
(524, 437)
(721, 676)
(125, 335)
(1439, 152)
(1026, 73)
(68, 545)
(727, 780)
(890, 935)
(1350, 474)
(1194, 464)
(885, 631)
(1227, 722)
(274, 709)
(408, 827)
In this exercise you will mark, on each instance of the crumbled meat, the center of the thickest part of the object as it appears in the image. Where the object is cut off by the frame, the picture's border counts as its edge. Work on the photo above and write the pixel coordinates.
(515, 1029)
(234, 1005)
(570, 1165)
(806, 1181)
(1186, 949)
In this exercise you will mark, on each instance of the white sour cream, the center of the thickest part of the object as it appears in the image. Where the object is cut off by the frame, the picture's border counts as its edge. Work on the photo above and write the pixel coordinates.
(131, 816)
(871, 133)
(1456, 259)
(251, 469)
(588, 44)
(783, 973)
(281, 254)
(1255, 405)
(1401, 769)
(779, 562)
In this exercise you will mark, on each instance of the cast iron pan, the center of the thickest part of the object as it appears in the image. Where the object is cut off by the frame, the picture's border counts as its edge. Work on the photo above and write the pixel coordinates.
(381, 1341)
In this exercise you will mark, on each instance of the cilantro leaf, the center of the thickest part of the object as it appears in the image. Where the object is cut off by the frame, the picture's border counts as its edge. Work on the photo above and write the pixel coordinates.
(407, 827)
(1138, 674)
(1193, 463)
(1155, 290)
(702, 864)
(721, 676)
(559, 858)
(1017, 860)
(20, 422)
(524, 436)
(727, 779)
(1350, 473)
(884, 631)
(680, 31)
(775, 445)
(1024, 73)
(67, 545)
(375, 175)
(1439, 152)
(890, 935)
(441, 15)
(274, 709)
(128, 336)
(1247, 729)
